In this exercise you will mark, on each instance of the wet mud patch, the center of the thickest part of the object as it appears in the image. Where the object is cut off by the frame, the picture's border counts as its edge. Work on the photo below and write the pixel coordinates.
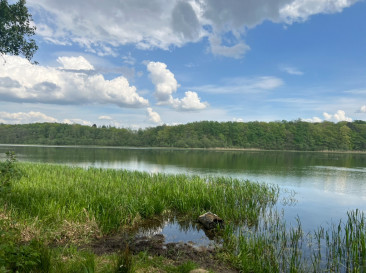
(155, 245)
(178, 241)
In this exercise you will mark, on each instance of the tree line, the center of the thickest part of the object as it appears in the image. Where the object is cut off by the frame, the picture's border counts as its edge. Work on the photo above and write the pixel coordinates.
(279, 135)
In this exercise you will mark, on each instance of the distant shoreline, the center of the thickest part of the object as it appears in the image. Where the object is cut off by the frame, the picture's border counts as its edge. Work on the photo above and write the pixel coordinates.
(179, 148)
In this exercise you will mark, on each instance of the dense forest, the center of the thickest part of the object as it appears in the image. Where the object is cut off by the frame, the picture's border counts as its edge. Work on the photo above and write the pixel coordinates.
(281, 135)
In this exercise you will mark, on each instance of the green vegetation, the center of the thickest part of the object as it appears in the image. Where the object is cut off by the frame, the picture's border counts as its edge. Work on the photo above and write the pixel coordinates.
(63, 205)
(114, 198)
(277, 248)
(292, 135)
(16, 30)
(50, 211)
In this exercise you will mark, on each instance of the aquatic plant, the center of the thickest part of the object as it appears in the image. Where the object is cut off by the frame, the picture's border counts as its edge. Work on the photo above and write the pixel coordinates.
(275, 247)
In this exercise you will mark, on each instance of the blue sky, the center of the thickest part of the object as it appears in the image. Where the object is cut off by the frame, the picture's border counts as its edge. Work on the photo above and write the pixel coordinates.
(138, 63)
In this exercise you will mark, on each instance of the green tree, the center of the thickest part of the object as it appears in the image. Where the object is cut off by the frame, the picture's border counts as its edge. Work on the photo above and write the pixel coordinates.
(345, 138)
(16, 30)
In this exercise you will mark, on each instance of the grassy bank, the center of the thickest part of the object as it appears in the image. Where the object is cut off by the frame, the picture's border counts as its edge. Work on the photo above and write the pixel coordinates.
(50, 215)
(59, 205)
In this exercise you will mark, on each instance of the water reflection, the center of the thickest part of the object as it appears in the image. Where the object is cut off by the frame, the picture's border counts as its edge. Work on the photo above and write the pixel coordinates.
(175, 230)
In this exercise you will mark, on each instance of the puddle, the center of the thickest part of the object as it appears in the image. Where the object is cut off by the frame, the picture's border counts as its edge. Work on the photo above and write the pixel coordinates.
(161, 236)
(175, 231)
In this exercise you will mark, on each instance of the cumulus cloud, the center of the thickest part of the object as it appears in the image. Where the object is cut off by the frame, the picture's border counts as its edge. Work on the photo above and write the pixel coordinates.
(101, 26)
(185, 22)
(164, 81)
(300, 10)
(75, 63)
(105, 118)
(23, 82)
(190, 102)
(21, 117)
(166, 84)
(362, 109)
(313, 120)
(153, 116)
(34, 117)
(340, 115)
(77, 121)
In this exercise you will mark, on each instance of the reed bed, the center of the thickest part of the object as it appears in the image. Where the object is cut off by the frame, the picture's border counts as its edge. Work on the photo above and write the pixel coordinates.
(274, 247)
(53, 194)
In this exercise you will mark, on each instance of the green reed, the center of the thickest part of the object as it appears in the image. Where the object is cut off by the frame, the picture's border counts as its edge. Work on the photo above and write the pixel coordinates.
(275, 247)
(114, 198)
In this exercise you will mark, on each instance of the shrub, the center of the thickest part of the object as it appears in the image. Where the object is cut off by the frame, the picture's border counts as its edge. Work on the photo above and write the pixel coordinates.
(9, 170)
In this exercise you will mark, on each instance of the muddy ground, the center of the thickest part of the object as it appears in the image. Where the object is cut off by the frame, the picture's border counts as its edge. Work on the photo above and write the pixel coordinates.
(178, 253)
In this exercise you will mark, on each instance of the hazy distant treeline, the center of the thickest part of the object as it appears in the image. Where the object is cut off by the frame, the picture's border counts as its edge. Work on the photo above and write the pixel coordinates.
(282, 135)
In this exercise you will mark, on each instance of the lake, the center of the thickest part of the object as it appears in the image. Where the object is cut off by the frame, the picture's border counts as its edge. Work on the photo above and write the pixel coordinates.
(325, 185)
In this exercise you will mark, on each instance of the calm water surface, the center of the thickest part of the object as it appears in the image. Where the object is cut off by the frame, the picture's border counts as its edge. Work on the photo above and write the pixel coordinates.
(326, 185)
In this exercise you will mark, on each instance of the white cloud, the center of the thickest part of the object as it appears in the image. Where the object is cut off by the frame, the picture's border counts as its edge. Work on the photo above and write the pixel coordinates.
(243, 85)
(166, 84)
(313, 120)
(128, 59)
(75, 63)
(265, 83)
(153, 116)
(101, 26)
(23, 82)
(300, 10)
(190, 102)
(292, 70)
(105, 118)
(33, 117)
(340, 115)
(164, 81)
(77, 121)
(362, 109)
(327, 116)
(21, 117)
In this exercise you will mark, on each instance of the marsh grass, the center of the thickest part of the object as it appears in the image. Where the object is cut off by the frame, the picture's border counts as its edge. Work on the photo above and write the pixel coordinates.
(50, 195)
(274, 247)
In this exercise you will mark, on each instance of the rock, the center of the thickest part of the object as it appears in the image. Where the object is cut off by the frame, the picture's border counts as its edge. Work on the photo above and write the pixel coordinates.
(210, 220)
(199, 270)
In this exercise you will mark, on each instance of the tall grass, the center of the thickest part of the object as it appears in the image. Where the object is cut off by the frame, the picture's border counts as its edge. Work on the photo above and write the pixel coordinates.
(113, 198)
(274, 247)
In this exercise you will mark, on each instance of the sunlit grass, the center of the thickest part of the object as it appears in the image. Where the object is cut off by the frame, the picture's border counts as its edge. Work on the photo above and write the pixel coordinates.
(53, 194)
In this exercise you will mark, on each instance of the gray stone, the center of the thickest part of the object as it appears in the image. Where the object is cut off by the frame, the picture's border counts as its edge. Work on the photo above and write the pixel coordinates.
(210, 220)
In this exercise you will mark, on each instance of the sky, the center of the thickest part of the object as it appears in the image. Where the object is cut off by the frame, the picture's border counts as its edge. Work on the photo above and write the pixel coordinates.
(142, 63)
